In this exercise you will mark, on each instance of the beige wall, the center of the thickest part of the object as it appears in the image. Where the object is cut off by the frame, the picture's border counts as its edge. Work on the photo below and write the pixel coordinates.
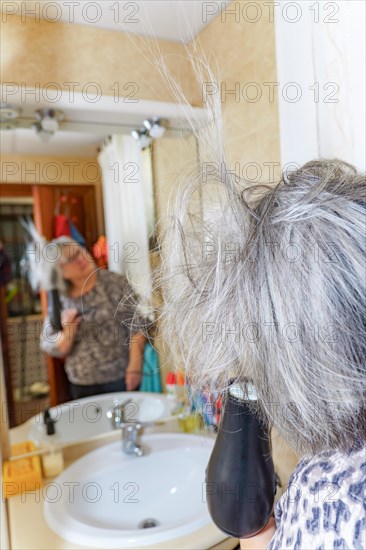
(244, 52)
(172, 157)
(44, 52)
(49, 170)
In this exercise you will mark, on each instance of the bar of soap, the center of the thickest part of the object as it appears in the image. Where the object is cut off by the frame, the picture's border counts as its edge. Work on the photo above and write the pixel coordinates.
(22, 448)
(52, 463)
(24, 474)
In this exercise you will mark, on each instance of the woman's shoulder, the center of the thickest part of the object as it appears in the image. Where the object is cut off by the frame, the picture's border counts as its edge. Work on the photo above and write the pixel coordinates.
(330, 475)
(324, 502)
(116, 280)
(331, 464)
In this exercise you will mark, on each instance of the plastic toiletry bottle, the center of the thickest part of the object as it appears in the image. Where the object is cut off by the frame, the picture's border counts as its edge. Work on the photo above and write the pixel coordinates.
(170, 384)
(181, 390)
(46, 415)
(189, 416)
(52, 460)
(189, 421)
(240, 476)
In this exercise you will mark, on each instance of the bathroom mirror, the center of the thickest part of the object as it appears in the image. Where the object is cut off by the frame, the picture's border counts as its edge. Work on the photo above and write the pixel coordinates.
(59, 113)
(162, 163)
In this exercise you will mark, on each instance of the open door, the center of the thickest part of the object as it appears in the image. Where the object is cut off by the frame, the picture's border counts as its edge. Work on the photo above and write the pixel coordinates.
(81, 208)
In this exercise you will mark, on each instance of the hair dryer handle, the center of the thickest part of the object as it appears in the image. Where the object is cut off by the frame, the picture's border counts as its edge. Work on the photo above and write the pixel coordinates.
(54, 309)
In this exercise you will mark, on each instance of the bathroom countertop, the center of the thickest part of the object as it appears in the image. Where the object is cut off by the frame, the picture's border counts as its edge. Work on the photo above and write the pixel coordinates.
(29, 530)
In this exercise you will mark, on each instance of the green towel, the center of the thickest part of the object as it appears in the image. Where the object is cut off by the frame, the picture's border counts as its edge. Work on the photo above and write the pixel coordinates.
(151, 380)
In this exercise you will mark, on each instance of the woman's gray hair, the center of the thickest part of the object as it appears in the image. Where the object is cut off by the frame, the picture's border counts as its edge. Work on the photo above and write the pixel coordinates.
(276, 294)
(64, 285)
(267, 283)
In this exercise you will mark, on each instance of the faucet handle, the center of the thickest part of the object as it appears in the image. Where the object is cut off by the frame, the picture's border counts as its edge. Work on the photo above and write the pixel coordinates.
(123, 407)
(116, 413)
(114, 417)
(132, 426)
(130, 439)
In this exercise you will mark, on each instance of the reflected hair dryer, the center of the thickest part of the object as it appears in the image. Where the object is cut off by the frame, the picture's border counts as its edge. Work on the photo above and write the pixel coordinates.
(54, 303)
(240, 476)
(43, 269)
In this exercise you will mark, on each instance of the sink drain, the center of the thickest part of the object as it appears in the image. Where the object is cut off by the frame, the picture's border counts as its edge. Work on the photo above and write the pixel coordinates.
(147, 523)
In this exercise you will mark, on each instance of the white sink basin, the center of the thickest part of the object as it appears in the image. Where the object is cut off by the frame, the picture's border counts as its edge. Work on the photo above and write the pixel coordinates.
(86, 418)
(104, 497)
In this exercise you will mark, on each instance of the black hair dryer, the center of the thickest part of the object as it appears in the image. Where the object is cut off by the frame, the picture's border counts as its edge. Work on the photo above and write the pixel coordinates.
(240, 476)
(54, 303)
(54, 309)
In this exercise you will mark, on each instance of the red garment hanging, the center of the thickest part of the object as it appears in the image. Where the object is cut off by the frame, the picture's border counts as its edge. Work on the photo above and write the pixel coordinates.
(61, 221)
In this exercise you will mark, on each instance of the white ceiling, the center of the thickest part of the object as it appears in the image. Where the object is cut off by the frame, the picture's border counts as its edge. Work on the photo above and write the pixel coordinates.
(177, 20)
(22, 141)
(85, 129)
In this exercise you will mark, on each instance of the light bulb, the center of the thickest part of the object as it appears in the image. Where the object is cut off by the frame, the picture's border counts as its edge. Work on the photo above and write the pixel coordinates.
(49, 124)
(156, 127)
(157, 131)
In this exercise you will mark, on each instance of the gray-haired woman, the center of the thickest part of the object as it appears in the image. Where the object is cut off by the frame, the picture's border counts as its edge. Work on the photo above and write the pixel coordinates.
(270, 287)
(102, 337)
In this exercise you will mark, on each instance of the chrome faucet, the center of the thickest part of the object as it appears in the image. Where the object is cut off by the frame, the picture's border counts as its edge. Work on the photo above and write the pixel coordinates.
(130, 429)
(117, 413)
(130, 438)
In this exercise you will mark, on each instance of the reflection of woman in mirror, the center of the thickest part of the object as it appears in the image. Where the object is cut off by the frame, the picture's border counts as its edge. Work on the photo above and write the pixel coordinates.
(271, 288)
(101, 338)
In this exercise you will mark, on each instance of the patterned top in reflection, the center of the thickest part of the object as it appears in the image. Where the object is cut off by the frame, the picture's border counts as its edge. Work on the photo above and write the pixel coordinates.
(100, 352)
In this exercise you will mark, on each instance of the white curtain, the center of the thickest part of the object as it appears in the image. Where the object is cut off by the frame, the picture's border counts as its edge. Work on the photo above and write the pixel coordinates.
(125, 214)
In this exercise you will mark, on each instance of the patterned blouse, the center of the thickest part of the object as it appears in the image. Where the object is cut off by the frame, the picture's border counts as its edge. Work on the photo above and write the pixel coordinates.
(100, 352)
(324, 506)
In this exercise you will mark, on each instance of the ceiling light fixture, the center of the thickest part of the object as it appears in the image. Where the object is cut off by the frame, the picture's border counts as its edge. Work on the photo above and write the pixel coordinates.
(48, 123)
(8, 116)
(142, 137)
(42, 134)
(156, 126)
